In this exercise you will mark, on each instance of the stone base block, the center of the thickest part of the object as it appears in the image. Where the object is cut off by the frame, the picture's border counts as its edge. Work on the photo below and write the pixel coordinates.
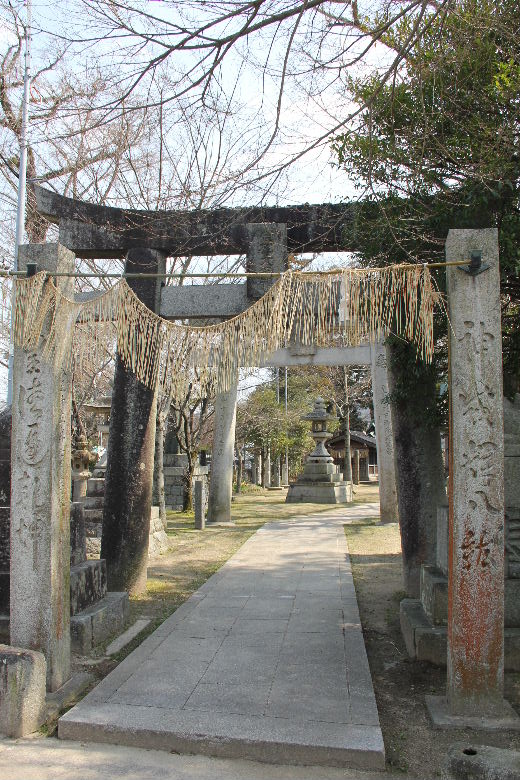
(96, 624)
(22, 691)
(441, 718)
(434, 596)
(67, 695)
(88, 585)
(481, 762)
(427, 642)
(318, 493)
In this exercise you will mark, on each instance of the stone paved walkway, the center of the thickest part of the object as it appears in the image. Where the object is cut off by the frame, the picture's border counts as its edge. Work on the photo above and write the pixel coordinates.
(266, 661)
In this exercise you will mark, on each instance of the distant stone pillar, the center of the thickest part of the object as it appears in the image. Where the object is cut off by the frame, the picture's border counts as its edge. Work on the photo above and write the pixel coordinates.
(198, 505)
(130, 454)
(222, 454)
(384, 437)
(475, 677)
(266, 468)
(355, 467)
(276, 473)
(285, 473)
(40, 491)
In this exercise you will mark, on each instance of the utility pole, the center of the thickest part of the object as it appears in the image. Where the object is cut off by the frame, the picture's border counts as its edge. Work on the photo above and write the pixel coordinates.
(22, 179)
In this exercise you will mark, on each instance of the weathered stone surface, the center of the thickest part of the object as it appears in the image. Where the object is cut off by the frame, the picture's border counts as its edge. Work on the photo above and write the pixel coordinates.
(95, 624)
(384, 436)
(199, 505)
(266, 252)
(418, 458)
(99, 231)
(468, 761)
(512, 487)
(158, 540)
(222, 455)
(78, 543)
(441, 550)
(476, 569)
(5, 456)
(319, 356)
(22, 691)
(88, 584)
(40, 492)
(434, 594)
(130, 455)
(428, 642)
(5, 557)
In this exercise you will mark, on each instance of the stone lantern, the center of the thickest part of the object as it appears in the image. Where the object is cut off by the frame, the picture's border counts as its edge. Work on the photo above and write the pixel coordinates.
(80, 470)
(321, 481)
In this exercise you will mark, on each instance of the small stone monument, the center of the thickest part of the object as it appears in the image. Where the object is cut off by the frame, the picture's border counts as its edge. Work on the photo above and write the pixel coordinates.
(199, 505)
(321, 481)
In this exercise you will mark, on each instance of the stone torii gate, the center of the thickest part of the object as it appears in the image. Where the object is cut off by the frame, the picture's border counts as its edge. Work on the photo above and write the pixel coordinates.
(475, 627)
(145, 239)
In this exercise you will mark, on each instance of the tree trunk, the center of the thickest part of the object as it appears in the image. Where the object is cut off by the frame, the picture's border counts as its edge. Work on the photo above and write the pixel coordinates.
(419, 468)
(159, 466)
(188, 485)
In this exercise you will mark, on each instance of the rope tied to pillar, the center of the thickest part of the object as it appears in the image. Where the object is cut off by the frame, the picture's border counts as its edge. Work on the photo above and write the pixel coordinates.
(345, 307)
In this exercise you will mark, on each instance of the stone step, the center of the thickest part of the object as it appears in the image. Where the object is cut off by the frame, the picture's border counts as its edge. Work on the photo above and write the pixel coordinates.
(95, 487)
(88, 585)
(99, 622)
(92, 626)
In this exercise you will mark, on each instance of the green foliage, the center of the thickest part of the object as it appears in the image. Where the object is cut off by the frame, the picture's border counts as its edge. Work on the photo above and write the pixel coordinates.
(261, 421)
(440, 147)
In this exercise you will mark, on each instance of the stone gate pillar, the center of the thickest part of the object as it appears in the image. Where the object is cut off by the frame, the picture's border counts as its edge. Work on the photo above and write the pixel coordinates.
(476, 496)
(384, 436)
(40, 491)
(130, 454)
(222, 454)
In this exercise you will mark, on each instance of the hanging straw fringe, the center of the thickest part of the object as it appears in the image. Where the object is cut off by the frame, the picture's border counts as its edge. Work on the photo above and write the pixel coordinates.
(345, 308)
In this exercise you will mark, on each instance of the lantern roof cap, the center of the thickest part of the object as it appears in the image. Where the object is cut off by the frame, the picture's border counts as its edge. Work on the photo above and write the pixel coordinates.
(319, 412)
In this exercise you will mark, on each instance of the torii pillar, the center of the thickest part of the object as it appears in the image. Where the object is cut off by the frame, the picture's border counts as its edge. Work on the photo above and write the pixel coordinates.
(384, 436)
(40, 490)
(130, 455)
(475, 676)
(267, 252)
